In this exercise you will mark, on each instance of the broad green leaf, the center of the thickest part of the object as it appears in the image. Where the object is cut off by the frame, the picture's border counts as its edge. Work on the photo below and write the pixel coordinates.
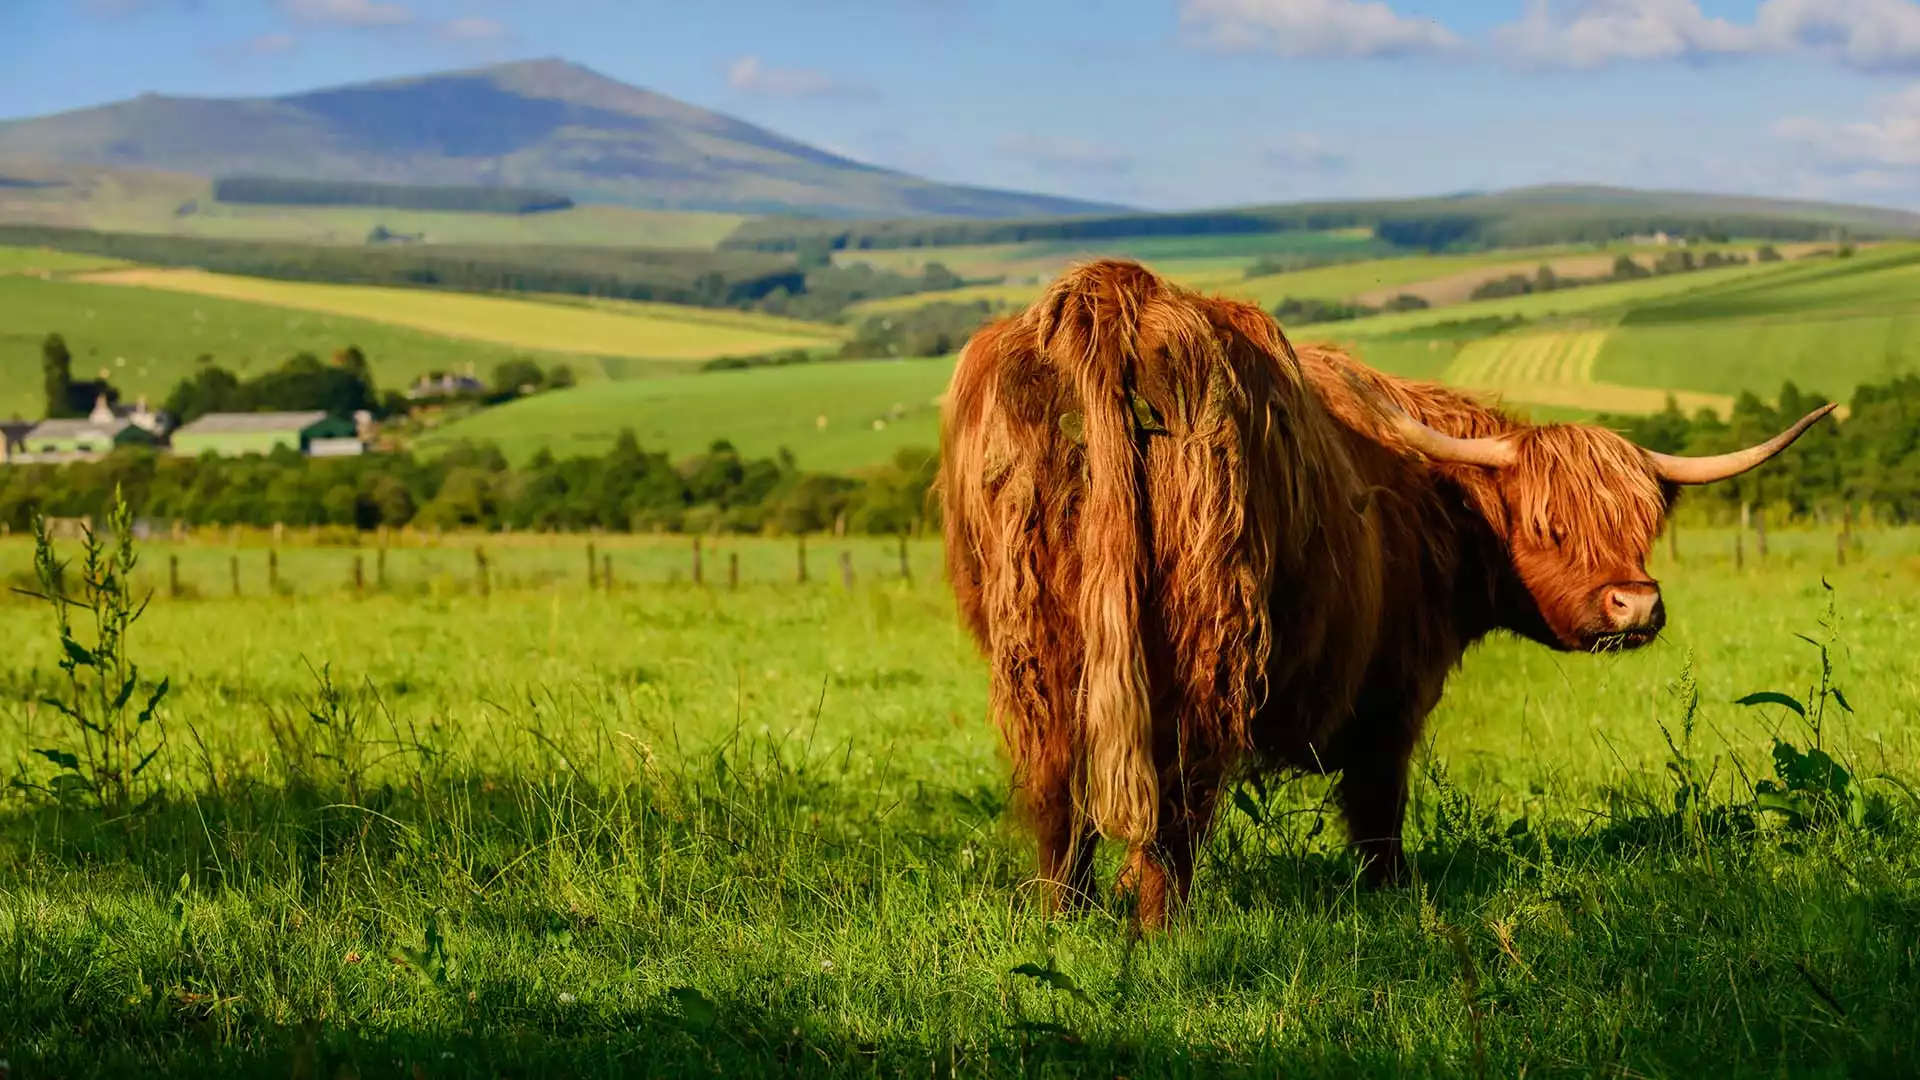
(61, 758)
(1771, 697)
(77, 652)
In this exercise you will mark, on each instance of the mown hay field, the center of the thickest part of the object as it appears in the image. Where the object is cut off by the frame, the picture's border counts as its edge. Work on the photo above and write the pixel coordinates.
(697, 830)
(513, 321)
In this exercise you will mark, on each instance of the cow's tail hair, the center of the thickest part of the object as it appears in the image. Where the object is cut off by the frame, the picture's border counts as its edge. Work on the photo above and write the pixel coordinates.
(1088, 329)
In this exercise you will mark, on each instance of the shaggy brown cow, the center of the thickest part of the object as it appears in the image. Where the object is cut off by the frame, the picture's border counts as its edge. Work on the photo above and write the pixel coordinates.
(1187, 548)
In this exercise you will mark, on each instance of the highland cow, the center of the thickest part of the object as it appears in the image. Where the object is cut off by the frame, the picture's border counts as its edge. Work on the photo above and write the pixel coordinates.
(1188, 549)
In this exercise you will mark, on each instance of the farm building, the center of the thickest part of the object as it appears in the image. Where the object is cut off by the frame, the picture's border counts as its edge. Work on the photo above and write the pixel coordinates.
(232, 434)
(79, 440)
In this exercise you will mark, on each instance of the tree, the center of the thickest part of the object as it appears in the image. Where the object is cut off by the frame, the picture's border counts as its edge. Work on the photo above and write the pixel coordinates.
(560, 376)
(1767, 253)
(516, 376)
(56, 365)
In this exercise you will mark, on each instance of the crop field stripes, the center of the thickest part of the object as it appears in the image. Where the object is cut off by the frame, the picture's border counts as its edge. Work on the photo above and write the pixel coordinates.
(1558, 369)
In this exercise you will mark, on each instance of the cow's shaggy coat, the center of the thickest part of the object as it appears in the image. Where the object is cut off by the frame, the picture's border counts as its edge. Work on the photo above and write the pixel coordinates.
(1187, 548)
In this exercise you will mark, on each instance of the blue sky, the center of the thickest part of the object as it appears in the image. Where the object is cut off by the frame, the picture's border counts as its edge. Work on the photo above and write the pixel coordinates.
(1163, 103)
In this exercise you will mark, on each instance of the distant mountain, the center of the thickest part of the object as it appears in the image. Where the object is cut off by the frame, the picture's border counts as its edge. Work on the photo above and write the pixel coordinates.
(536, 123)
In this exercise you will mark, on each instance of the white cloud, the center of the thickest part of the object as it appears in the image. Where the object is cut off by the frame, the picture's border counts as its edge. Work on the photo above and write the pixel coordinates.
(366, 13)
(749, 76)
(1305, 152)
(1872, 35)
(271, 44)
(473, 29)
(1351, 28)
(1594, 33)
(1871, 150)
(1066, 154)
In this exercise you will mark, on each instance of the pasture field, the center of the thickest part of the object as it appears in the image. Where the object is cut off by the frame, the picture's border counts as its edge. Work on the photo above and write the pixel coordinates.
(148, 340)
(1226, 254)
(655, 333)
(872, 408)
(677, 830)
(47, 262)
(141, 201)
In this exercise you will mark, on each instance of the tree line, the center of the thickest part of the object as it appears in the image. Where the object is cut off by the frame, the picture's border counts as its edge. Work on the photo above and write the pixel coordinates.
(627, 489)
(1870, 461)
(285, 191)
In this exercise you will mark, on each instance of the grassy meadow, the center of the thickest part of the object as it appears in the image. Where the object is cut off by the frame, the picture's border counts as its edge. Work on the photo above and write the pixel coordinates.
(540, 829)
(148, 330)
(872, 409)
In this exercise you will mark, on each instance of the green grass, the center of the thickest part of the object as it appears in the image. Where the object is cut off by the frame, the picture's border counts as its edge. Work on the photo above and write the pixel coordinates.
(760, 410)
(127, 200)
(19, 260)
(675, 831)
(148, 339)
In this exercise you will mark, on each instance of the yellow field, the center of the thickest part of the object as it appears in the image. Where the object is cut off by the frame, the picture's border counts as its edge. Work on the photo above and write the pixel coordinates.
(1557, 369)
(661, 332)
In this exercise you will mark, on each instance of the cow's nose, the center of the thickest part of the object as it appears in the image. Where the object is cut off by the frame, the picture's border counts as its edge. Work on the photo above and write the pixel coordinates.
(1633, 606)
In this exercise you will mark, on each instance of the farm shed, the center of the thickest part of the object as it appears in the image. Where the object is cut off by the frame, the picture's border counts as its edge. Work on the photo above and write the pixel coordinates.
(70, 440)
(233, 434)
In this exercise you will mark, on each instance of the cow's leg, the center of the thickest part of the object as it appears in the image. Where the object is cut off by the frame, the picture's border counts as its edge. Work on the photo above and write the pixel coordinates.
(1063, 836)
(1373, 753)
(1161, 875)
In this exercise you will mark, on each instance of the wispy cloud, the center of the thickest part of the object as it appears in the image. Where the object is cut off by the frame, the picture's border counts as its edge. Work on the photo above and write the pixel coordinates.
(1341, 28)
(1885, 143)
(750, 76)
(1305, 152)
(270, 44)
(354, 13)
(1065, 154)
(1869, 35)
(1596, 33)
(472, 30)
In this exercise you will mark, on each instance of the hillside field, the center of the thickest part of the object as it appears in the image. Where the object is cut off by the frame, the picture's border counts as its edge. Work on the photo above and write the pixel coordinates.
(872, 409)
(149, 201)
(148, 327)
(678, 831)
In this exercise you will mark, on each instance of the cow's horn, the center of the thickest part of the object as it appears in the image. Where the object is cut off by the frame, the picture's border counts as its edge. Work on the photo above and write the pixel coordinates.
(1493, 453)
(1706, 470)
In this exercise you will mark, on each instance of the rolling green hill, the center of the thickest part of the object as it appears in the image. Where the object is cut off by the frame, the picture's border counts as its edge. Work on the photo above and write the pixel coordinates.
(872, 408)
(1828, 324)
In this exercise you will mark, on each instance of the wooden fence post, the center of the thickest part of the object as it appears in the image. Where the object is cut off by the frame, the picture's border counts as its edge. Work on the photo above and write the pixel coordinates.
(380, 568)
(273, 572)
(1845, 538)
(802, 559)
(359, 575)
(846, 569)
(1739, 550)
(480, 571)
(173, 576)
(1760, 534)
(733, 570)
(697, 576)
(906, 567)
(233, 571)
(593, 569)
(606, 573)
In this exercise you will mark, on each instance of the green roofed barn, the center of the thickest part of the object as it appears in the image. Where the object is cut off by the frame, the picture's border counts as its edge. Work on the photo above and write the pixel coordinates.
(233, 434)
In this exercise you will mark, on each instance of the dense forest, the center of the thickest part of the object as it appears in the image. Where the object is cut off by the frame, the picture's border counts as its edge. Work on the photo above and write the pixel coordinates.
(282, 191)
